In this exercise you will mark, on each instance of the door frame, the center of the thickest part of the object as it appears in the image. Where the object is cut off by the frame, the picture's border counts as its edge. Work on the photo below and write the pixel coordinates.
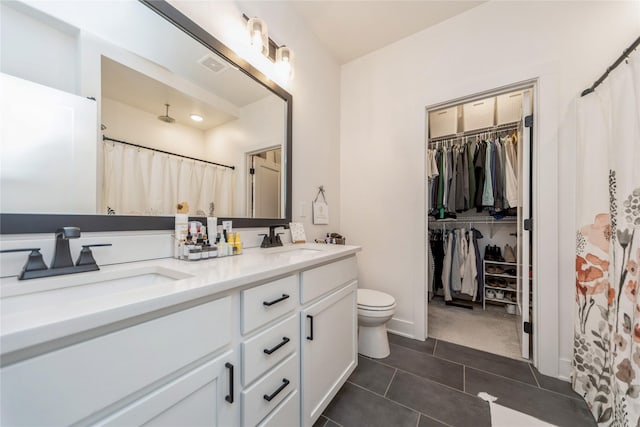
(249, 182)
(421, 330)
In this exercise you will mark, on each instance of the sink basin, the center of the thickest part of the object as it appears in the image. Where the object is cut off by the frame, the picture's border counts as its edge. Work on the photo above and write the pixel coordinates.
(72, 289)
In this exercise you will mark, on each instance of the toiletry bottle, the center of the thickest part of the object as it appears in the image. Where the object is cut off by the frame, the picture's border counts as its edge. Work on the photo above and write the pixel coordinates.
(238, 246)
(222, 247)
(232, 243)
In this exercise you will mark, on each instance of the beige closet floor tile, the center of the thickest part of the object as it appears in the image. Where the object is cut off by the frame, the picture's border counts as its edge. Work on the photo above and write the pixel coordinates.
(492, 330)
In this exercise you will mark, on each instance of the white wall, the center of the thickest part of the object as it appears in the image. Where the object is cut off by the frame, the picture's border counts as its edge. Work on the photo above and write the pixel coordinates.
(261, 125)
(46, 54)
(565, 45)
(315, 90)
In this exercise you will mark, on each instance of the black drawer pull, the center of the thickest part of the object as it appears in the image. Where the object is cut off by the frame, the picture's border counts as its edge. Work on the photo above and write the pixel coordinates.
(271, 350)
(310, 336)
(268, 398)
(229, 397)
(275, 301)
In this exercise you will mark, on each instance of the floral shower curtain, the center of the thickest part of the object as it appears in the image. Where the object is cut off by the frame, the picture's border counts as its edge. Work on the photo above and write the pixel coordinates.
(606, 363)
(143, 182)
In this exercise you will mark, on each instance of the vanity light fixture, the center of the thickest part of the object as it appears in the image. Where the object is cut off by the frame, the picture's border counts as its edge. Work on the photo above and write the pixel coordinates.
(259, 38)
(284, 62)
(196, 117)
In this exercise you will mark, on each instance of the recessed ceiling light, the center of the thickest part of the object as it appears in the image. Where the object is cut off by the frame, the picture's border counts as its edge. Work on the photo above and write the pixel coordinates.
(196, 118)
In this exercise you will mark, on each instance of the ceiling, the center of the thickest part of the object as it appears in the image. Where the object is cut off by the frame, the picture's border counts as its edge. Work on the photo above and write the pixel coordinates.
(352, 28)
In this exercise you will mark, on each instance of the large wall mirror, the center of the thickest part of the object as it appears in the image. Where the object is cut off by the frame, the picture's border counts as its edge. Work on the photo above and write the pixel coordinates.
(115, 112)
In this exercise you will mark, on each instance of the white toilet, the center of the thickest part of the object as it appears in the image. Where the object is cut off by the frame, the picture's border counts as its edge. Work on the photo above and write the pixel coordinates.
(375, 309)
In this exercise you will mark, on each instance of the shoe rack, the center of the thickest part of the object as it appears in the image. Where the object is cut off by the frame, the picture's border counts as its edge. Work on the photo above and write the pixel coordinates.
(500, 282)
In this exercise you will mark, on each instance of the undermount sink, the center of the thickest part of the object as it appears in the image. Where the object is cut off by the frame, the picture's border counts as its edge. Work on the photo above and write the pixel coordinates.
(48, 292)
(292, 251)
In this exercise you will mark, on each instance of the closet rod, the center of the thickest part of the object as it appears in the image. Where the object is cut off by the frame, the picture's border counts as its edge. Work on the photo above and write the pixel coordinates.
(497, 128)
(106, 138)
(618, 61)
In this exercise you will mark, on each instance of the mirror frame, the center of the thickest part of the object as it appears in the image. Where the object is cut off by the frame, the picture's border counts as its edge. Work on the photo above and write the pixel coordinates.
(22, 223)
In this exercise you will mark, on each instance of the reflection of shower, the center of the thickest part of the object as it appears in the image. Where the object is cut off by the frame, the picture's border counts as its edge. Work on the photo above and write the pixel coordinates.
(167, 118)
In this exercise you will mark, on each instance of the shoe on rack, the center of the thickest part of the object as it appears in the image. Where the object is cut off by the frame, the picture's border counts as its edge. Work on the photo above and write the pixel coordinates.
(500, 294)
(488, 256)
(490, 293)
(509, 253)
(498, 253)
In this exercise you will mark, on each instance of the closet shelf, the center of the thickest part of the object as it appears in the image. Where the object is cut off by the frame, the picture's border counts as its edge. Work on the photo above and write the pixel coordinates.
(507, 276)
(499, 288)
(504, 301)
(477, 220)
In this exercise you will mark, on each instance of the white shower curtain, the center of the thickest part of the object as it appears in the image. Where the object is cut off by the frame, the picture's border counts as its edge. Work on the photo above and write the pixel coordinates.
(139, 181)
(606, 362)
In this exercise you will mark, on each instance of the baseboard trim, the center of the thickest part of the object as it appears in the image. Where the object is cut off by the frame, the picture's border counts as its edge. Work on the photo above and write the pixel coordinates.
(400, 327)
(564, 369)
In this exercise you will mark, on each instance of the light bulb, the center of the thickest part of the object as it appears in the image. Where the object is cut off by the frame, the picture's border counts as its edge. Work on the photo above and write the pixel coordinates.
(196, 117)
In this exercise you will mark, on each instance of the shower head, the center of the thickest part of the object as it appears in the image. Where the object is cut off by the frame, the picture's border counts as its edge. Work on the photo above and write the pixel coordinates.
(167, 118)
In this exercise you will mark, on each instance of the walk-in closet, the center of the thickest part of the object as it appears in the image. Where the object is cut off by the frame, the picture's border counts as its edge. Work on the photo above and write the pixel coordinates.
(478, 167)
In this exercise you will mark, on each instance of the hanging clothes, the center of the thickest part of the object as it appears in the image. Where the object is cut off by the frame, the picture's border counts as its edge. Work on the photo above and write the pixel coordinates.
(457, 256)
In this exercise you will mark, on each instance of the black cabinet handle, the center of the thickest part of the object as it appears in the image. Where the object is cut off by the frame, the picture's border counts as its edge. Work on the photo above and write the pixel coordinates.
(271, 350)
(310, 336)
(229, 397)
(275, 301)
(268, 398)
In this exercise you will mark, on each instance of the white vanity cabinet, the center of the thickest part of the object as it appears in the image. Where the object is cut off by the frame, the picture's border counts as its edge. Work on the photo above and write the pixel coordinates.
(140, 370)
(329, 343)
(268, 353)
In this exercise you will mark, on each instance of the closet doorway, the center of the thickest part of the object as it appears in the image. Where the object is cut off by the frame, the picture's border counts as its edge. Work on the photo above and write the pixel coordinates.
(480, 285)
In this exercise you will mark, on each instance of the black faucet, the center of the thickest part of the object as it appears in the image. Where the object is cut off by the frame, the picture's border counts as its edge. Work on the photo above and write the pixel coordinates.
(272, 239)
(62, 253)
(62, 263)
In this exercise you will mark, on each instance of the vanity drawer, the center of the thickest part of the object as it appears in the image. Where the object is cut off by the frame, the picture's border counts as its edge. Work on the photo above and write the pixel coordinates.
(321, 280)
(67, 385)
(285, 415)
(277, 385)
(262, 352)
(267, 302)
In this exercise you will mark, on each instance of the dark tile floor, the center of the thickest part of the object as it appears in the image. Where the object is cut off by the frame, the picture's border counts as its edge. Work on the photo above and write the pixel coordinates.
(435, 383)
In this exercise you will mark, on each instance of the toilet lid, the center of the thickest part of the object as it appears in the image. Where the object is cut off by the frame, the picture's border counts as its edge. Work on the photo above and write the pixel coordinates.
(371, 298)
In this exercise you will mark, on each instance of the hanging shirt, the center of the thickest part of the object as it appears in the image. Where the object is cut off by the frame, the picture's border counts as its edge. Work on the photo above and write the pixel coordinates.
(511, 181)
(498, 182)
(487, 193)
(470, 273)
(446, 267)
(471, 150)
(479, 162)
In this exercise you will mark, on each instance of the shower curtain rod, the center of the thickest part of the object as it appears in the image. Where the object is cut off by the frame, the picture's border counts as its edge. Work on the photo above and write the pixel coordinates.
(618, 61)
(106, 138)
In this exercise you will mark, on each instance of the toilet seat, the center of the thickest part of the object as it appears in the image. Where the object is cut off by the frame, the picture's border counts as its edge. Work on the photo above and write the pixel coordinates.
(370, 300)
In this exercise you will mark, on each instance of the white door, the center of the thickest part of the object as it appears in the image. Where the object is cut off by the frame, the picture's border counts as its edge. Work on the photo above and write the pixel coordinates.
(329, 349)
(266, 186)
(524, 214)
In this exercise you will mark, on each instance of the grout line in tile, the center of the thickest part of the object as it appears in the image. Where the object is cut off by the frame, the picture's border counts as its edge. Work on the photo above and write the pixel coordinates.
(464, 379)
(428, 355)
(534, 376)
(333, 421)
(386, 398)
(521, 382)
(433, 353)
(389, 385)
(435, 419)
(418, 420)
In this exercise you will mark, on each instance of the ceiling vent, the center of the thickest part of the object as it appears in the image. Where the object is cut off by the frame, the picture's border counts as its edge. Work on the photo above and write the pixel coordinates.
(212, 63)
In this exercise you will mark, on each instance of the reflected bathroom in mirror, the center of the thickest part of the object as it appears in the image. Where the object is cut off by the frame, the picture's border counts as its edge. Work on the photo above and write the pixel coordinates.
(103, 118)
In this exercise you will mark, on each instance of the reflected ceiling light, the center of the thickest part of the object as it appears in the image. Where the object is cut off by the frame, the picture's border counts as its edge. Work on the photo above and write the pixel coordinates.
(259, 38)
(196, 117)
(284, 62)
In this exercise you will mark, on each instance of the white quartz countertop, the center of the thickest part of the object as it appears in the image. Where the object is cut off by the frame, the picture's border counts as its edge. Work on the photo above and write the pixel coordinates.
(45, 315)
